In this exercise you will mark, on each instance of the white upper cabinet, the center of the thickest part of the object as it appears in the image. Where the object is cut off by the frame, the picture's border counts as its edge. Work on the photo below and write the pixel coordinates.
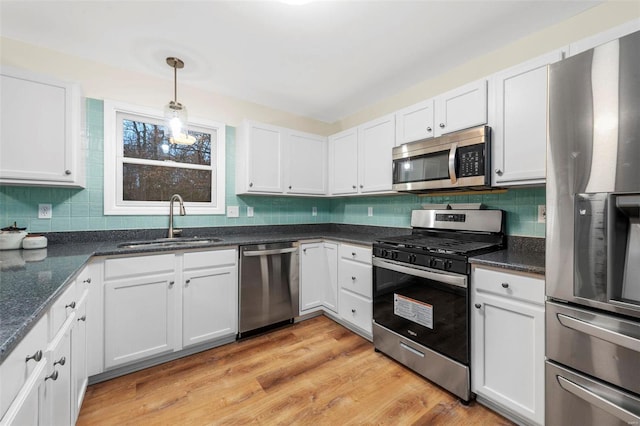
(306, 165)
(343, 162)
(461, 108)
(519, 122)
(415, 122)
(40, 136)
(277, 160)
(376, 139)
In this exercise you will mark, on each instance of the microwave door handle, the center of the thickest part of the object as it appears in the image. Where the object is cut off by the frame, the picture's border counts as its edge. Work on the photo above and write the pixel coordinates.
(452, 163)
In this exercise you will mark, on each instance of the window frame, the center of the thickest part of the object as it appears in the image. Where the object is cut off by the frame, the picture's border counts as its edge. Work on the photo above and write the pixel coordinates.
(114, 159)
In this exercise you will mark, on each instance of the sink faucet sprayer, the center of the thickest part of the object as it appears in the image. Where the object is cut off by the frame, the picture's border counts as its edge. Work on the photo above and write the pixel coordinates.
(182, 213)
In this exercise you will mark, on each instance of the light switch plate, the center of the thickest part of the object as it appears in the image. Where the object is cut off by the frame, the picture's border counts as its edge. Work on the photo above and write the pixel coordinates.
(44, 211)
(249, 211)
(542, 213)
(233, 211)
(370, 211)
(314, 211)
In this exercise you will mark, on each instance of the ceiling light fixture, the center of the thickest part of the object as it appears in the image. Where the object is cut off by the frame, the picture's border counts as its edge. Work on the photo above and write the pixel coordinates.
(175, 113)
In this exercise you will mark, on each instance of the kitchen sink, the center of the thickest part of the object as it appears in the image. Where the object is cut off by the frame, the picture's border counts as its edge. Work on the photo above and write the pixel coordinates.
(169, 242)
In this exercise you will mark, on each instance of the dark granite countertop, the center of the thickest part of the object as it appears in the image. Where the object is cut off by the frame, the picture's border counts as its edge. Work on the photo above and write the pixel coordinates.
(521, 254)
(31, 280)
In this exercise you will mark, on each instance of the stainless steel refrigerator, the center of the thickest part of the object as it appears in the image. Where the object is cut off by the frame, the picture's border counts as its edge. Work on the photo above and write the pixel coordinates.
(593, 237)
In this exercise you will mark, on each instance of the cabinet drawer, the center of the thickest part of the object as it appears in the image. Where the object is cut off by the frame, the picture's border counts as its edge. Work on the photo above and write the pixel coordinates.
(84, 279)
(62, 308)
(15, 369)
(355, 253)
(211, 258)
(356, 277)
(138, 266)
(355, 309)
(528, 288)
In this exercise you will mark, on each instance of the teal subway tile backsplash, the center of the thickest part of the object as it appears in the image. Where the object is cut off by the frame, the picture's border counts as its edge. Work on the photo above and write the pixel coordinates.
(82, 209)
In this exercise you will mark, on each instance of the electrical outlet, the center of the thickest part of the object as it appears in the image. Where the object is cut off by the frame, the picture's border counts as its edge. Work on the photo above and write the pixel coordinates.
(370, 211)
(249, 211)
(542, 213)
(233, 211)
(44, 211)
(314, 211)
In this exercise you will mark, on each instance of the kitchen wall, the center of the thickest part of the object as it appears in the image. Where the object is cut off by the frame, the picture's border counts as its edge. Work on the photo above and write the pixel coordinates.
(82, 209)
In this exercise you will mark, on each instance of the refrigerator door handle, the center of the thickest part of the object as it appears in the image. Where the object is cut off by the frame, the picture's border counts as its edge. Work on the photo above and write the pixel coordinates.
(602, 333)
(598, 401)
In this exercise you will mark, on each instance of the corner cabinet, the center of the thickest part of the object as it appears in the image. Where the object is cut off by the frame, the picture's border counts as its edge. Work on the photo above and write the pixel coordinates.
(318, 277)
(276, 160)
(520, 122)
(40, 136)
(507, 342)
(360, 158)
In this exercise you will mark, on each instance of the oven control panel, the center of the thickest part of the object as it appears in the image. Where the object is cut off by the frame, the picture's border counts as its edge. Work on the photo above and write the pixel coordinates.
(450, 263)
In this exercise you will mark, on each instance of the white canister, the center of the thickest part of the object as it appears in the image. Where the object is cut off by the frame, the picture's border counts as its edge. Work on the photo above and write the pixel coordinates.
(34, 241)
(11, 240)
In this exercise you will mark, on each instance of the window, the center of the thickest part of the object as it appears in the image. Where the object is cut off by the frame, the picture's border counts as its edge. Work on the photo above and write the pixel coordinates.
(143, 170)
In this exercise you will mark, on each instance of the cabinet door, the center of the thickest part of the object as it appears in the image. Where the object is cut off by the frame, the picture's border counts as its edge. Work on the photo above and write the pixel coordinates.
(508, 354)
(461, 108)
(27, 407)
(330, 299)
(209, 304)
(520, 125)
(39, 136)
(343, 162)
(58, 383)
(140, 318)
(306, 164)
(415, 122)
(95, 321)
(264, 157)
(356, 309)
(312, 273)
(79, 358)
(376, 139)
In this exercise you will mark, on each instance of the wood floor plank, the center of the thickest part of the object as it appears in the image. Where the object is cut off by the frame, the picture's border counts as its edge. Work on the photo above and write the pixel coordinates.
(313, 373)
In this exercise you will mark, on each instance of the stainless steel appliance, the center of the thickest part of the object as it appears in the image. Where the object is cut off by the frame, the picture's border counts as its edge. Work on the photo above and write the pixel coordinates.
(457, 160)
(593, 237)
(421, 315)
(269, 282)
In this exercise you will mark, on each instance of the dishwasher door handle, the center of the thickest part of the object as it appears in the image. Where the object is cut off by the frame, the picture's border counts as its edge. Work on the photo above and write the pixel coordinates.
(269, 252)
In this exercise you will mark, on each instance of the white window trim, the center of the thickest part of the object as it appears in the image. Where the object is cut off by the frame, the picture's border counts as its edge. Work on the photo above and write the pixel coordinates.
(113, 152)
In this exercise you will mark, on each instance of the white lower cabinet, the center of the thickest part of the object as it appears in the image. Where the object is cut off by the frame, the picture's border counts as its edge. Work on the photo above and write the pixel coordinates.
(355, 282)
(507, 341)
(58, 382)
(161, 303)
(318, 277)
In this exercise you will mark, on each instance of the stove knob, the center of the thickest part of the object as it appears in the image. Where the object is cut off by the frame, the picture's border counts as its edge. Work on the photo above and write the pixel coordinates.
(394, 255)
(412, 258)
(432, 262)
(384, 253)
(448, 264)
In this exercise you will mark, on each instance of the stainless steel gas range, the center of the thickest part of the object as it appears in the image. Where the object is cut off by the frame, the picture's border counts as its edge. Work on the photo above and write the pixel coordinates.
(421, 299)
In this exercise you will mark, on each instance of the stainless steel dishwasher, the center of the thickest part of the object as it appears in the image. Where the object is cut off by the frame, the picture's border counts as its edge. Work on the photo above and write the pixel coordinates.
(268, 285)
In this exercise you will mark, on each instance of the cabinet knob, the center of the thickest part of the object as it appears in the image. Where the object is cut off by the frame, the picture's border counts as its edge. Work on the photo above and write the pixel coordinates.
(82, 318)
(429, 129)
(304, 251)
(171, 283)
(353, 278)
(498, 172)
(71, 305)
(442, 125)
(289, 186)
(67, 172)
(353, 311)
(251, 185)
(505, 285)
(88, 280)
(478, 306)
(61, 361)
(361, 186)
(186, 283)
(52, 376)
(354, 187)
(37, 356)
(353, 253)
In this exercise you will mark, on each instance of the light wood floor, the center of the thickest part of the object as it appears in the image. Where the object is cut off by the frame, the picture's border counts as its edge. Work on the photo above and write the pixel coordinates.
(313, 373)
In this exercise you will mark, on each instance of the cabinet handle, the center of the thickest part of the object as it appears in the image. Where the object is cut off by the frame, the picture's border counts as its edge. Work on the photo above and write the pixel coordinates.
(498, 172)
(289, 186)
(505, 285)
(171, 283)
(61, 361)
(82, 318)
(429, 129)
(88, 280)
(361, 186)
(52, 376)
(304, 251)
(442, 125)
(353, 253)
(186, 283)
(71, 305)
(67, 172)
(353, 311)
(37, 356)
(353, 278)
(354, 187)
(478, 306)
(251, 185)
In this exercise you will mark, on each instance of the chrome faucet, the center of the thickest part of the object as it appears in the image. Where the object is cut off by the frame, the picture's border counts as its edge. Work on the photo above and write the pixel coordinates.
(173, 232)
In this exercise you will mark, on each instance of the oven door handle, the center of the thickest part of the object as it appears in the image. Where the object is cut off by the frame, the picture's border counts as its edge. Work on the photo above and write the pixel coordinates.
(443, 277)
(452, 163)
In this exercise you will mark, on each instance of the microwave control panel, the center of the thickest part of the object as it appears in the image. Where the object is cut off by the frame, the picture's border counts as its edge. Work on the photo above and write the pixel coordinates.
(471, 160)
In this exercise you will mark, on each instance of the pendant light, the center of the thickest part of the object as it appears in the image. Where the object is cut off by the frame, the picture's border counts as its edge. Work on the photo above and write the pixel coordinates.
(175, 113)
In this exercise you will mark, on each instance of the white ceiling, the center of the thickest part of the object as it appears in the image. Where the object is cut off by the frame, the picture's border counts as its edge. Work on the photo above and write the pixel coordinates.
(324, 60)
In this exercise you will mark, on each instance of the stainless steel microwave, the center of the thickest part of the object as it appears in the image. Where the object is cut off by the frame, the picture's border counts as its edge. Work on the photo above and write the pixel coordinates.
(458, 160)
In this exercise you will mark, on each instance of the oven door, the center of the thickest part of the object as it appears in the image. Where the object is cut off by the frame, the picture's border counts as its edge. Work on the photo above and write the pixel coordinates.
(426, 306)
